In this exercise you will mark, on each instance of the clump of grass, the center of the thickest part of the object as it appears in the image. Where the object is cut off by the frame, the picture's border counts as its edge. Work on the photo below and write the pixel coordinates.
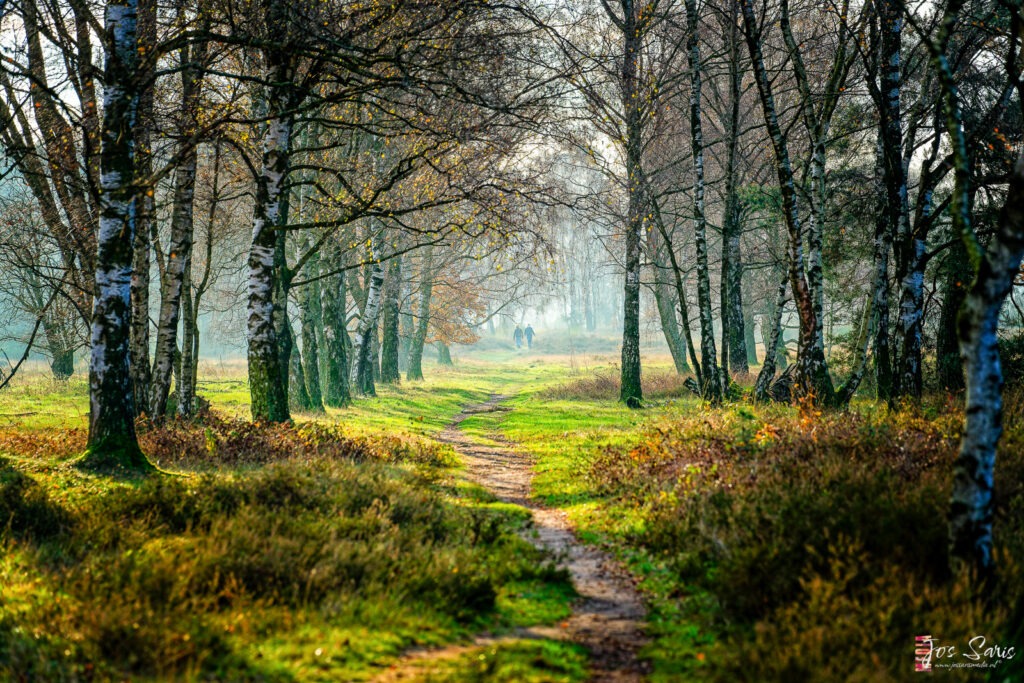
(194, 576)
(604, 385)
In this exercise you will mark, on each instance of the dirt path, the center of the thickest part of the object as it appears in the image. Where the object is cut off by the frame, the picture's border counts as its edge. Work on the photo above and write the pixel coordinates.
(608, 615)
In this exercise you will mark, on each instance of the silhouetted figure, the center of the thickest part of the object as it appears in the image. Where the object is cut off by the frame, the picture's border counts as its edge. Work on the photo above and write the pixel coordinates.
(529, 336)
(517, 337)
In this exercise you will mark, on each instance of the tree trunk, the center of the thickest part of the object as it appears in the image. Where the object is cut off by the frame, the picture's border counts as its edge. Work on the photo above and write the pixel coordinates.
(298, 395)
(444, 354)
(631, 391)
(711, 385)
(312, 319)
(419, 337)
(956, 278)
(178, 256)
(362, 342)
(186, 387)
(771, 351)
(333, 298)
(144, 216)
(269, 400)
(734, 323)
(389, 373)
(112, 442)
(882, 244)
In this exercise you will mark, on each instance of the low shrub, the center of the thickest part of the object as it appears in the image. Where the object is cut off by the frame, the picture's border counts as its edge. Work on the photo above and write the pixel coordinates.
(820, 539)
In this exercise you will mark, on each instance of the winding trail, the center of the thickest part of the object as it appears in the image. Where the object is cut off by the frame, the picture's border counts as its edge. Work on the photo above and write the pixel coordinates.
(608, 616)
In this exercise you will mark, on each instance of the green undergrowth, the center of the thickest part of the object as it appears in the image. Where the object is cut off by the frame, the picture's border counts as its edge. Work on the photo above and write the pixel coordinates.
(319, 551)
(778, 543)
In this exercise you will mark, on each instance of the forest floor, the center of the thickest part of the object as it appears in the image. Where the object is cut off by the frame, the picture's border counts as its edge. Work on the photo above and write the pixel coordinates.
(504, 521)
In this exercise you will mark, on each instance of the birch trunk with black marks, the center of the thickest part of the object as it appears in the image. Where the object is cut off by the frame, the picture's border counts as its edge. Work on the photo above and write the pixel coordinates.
(970, 525)
(179, 254)
(845, 393)
(267, 379)
(711, 380)
(185, 386)
(333, 298)
(994, 269)
(631, 390)
(112, 443)
(813, 376)
(910, 247)
(361, 377)
(298, 395)
(144, 212)
(389, 373)
(419, 337)
(771, 351)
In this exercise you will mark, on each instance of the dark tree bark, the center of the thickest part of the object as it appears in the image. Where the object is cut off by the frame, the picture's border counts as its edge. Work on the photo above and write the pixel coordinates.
(631, 390)
(771, 351)
(711, 380)
(312, 319)
(444, 354)
(419, 337)
(333, 297)
(389, 373)
(112, 442)
(144, 215)
(956, 279)
(734, 337)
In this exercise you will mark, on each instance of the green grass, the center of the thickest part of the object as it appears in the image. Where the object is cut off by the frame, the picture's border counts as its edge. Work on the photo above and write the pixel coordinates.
(255, 565)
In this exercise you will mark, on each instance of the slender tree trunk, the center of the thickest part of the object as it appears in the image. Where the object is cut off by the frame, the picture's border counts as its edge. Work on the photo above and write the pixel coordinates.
(362, 342)
(186, 386)
(748, 333)
(333, 298)
(419, 337)
(711, 385)
(956, 279)
(298, 395)
(734, 339)
(312, 319)
(144, 215)
(631, 390)
(178, 256)
(389, 373)
(112, 441)
(771, 351)
(882, 245)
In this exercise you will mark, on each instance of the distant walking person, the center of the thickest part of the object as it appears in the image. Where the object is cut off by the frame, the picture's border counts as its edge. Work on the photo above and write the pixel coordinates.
(517, 337)
(529, 336)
